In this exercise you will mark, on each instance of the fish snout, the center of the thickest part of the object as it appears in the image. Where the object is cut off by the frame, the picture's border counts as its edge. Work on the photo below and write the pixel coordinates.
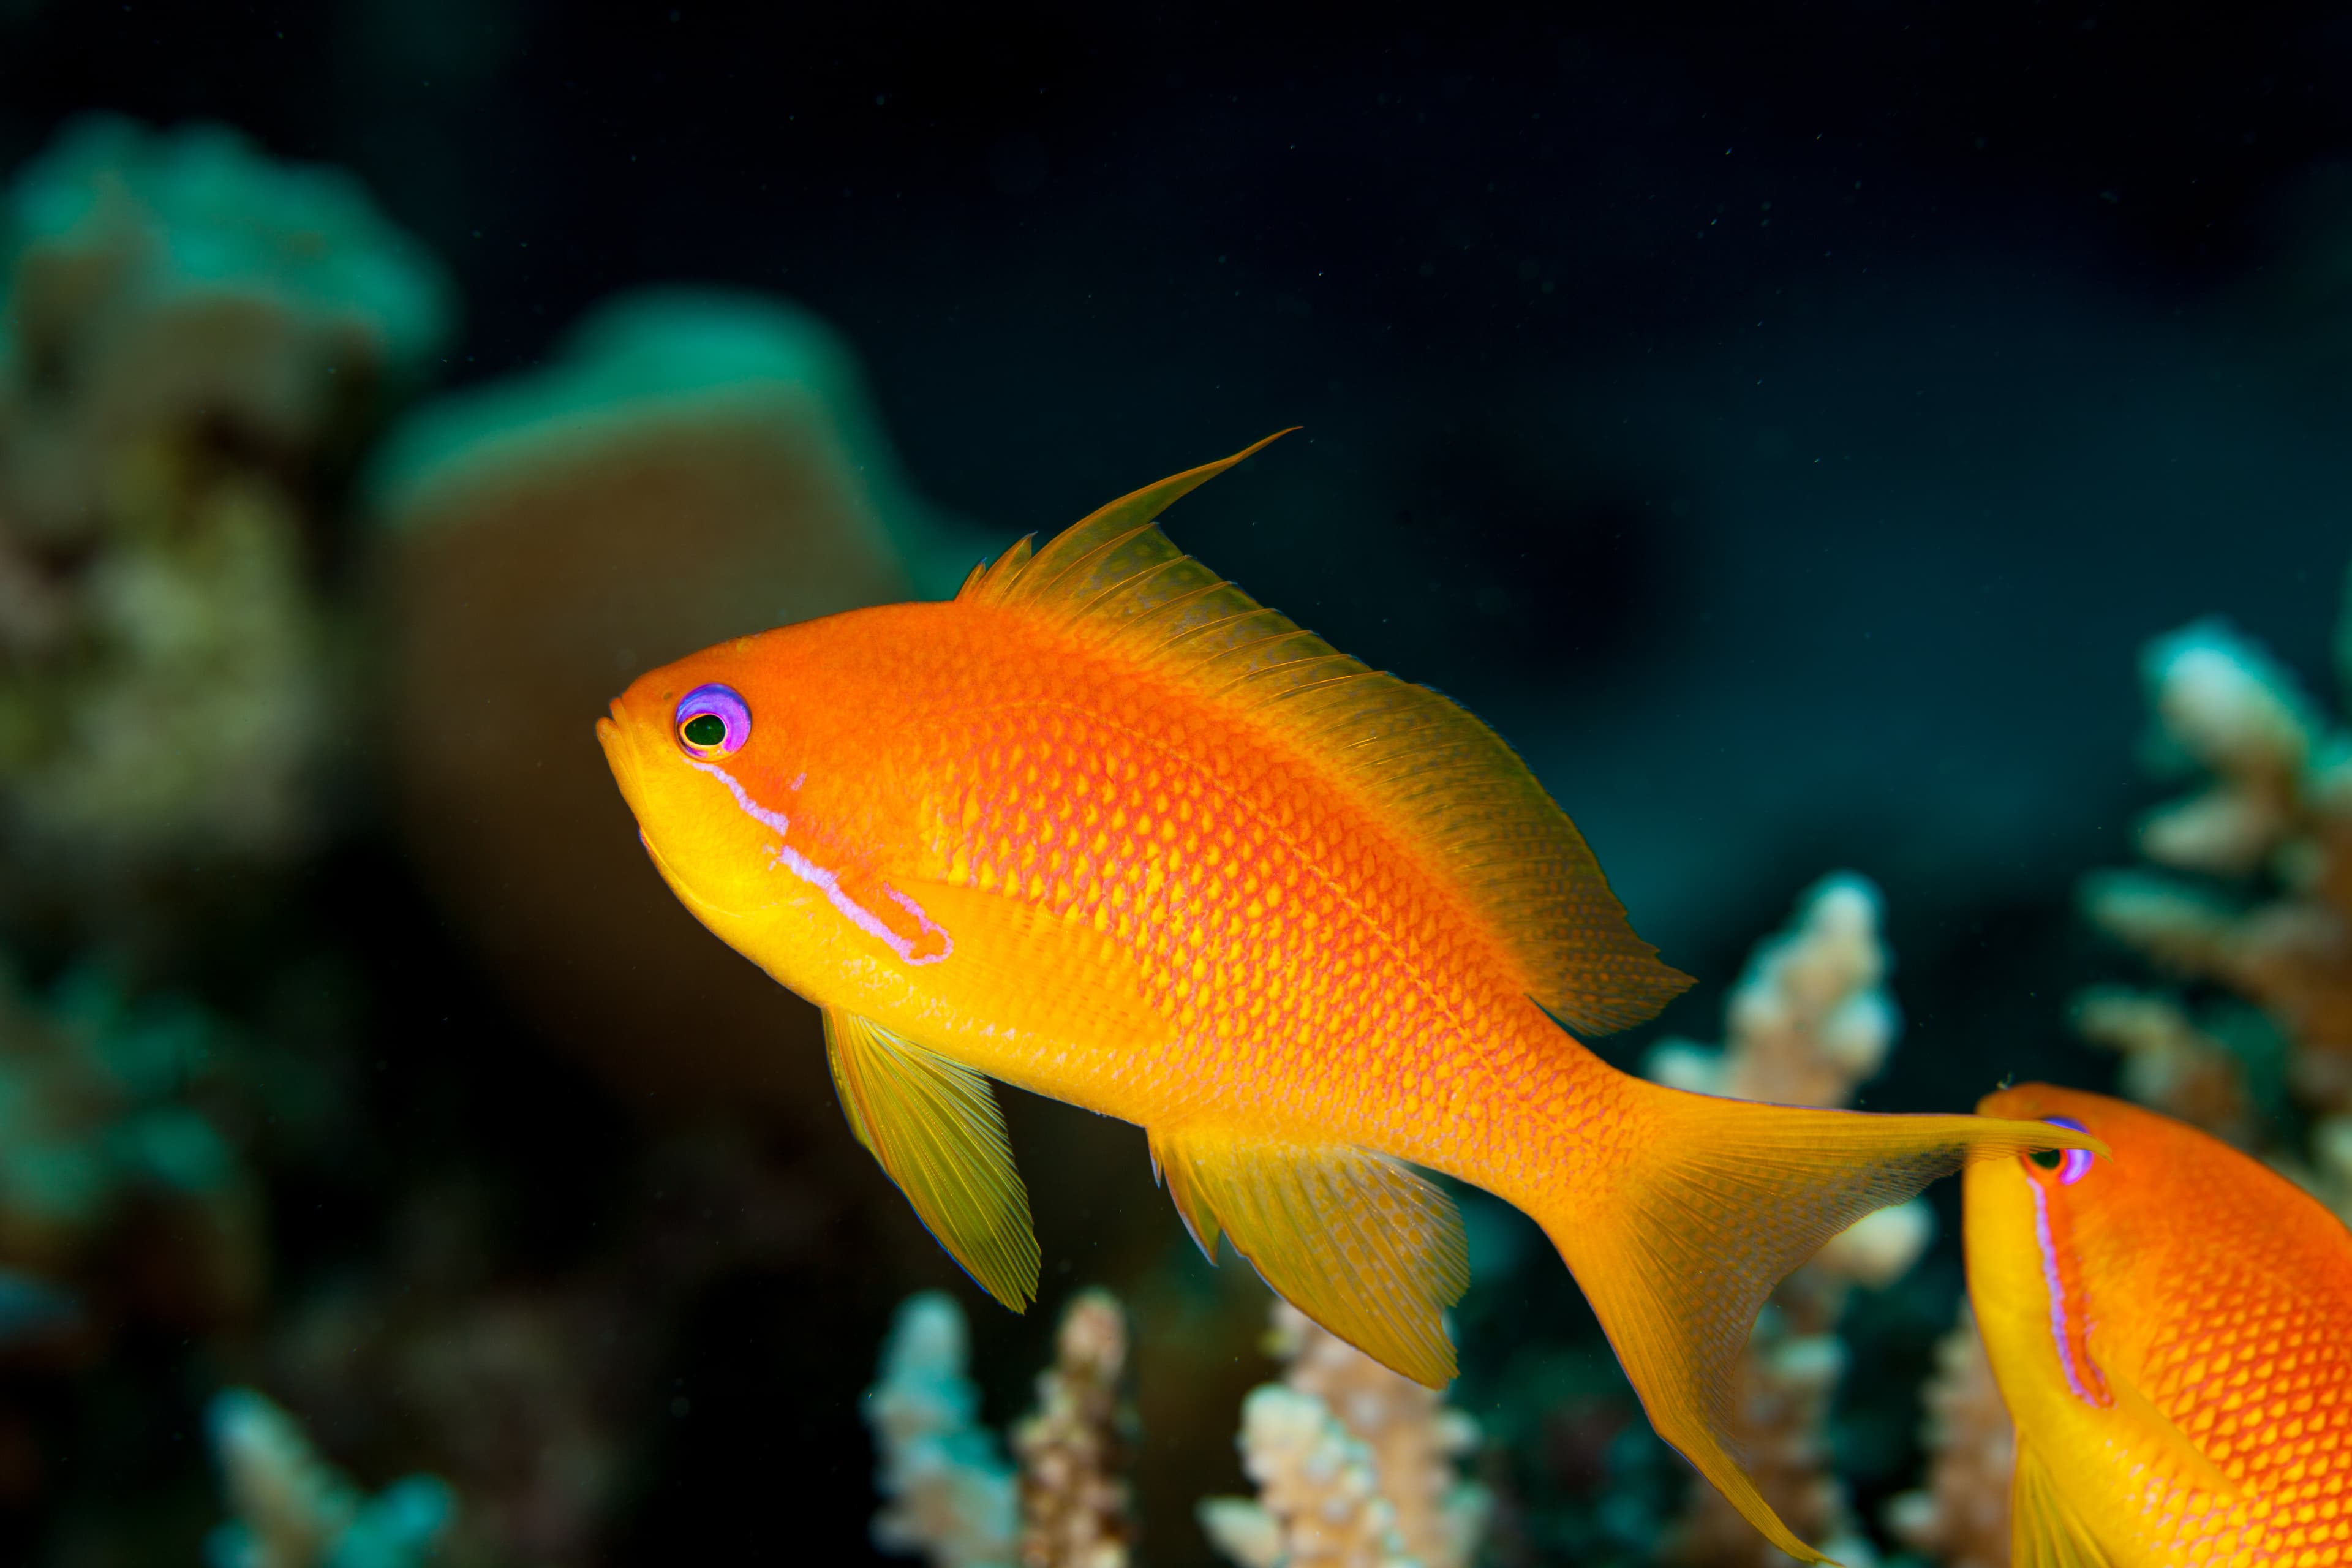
(614, 734)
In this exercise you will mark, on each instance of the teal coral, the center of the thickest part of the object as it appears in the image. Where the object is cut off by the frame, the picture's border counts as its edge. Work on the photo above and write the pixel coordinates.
(102, 1126)
(198, 210)
(295, 1510)
(197, 338)
(676, 357)
(950, 1495)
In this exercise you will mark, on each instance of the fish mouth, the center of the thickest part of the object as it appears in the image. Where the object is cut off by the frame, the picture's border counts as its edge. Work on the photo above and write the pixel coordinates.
(612, 733)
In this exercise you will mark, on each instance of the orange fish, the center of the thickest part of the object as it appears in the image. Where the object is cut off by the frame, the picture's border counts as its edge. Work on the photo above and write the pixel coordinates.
(1104, 828)
(2172, 1331)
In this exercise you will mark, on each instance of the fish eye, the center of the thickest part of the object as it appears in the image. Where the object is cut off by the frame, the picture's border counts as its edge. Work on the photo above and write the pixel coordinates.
(713, 720)
(2071, 1165)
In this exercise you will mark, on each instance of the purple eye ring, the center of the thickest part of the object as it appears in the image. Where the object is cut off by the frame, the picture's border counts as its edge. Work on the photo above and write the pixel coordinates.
(2071, 1165)
(712, 720)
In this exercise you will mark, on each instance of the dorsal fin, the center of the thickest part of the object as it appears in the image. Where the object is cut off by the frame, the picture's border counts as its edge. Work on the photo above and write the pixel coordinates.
(1452, 791)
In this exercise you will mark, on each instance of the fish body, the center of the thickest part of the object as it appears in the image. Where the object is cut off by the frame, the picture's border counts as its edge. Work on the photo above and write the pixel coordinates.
(1105, 827)
(2171, 1328)
(1198, 927)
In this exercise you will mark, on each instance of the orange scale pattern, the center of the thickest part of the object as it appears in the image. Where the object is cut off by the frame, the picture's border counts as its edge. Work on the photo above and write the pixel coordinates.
(1303, 958)
(2222, 1294)
(2257, 1369)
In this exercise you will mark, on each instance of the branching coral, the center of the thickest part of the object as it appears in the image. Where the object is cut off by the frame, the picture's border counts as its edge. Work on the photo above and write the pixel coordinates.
(1809, 1020)
(294, 1510)
(1318, 1502)
(2169, 1062)
(2256, 900)
(693, 467)
(1962, 1519)
(1075, 1508)
(949, 1494)
(1354, 1465)
(195, 337)
(951, 1497)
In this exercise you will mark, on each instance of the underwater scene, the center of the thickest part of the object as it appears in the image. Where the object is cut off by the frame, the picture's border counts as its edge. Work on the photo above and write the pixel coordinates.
(1058, 788)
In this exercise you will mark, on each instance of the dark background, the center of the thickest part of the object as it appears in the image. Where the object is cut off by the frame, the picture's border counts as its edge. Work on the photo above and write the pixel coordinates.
(1786, 422)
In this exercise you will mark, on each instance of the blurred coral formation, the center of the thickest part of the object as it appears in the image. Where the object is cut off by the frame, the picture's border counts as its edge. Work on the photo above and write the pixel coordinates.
(1354, 1465)
(291, 1510)
(197, 340)
(951, 1495)
(1074, 1446)
(2252, 910)
(118, 1181)
(1809, 1023)
(530, 1390)
(694, 465)
(2251, 907)
(1961, 1518)
(203, 350)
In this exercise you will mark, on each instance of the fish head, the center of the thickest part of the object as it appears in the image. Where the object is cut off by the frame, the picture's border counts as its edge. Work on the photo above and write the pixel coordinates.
(2125, 1296)
(2041, 1232)
(706, 750)
(766, 773)
(2074, 1258)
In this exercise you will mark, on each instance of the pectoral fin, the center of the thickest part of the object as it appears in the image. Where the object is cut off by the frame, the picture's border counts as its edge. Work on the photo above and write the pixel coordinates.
(2043, 1531)
(2178, 1452)
(1366, 1247)
(935, 1127)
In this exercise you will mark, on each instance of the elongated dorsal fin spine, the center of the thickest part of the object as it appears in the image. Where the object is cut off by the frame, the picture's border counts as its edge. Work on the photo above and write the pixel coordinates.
(1456, 796)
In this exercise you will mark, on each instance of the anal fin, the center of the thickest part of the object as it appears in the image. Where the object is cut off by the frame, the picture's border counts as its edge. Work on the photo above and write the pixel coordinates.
(1366, 1246)
(2043, 1531)
(935, 1127)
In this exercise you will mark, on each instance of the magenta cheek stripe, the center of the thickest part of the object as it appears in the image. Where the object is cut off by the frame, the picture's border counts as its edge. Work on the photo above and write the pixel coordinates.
(785, 858)
(929, 928)
(858, 915)
(775, 820)
(2057, 1289)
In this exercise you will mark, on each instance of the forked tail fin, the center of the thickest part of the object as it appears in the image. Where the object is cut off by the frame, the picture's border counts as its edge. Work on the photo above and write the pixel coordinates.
(1678, 1244)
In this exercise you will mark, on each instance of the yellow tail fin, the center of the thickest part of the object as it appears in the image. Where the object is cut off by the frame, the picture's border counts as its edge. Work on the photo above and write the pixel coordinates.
(1677, 1245)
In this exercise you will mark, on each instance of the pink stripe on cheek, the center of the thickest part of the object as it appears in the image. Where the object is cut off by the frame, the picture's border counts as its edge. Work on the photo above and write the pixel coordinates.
(2065, 1328)
(827, 882)
(775, 820)
(857, 914)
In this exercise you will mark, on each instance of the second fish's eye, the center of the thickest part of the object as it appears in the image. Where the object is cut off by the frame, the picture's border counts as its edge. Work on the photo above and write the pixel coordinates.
(713, 720)
(2071, 1165)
